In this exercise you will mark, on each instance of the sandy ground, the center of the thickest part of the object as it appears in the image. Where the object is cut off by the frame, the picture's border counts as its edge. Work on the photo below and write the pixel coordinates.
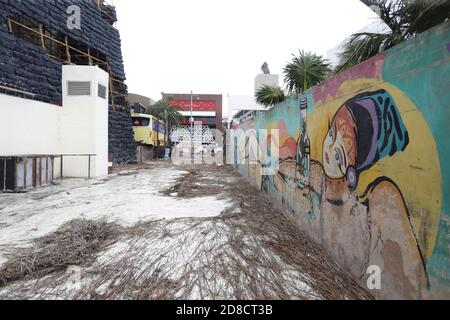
(187, 232)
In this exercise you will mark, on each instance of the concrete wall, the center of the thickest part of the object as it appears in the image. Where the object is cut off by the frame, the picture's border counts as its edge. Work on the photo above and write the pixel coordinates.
(375, 187)
(84, 123)
(272, 80)
(28, 127)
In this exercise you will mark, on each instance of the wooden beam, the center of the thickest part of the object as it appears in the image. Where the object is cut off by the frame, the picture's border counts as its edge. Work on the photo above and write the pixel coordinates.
(57, 41)
(111, 93)
(41, 34)
(10, 25)
(90, 57)
(67, 50)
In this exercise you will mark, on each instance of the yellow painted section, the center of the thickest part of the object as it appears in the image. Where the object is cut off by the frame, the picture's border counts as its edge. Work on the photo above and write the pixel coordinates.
(416, 171)
(143, 135)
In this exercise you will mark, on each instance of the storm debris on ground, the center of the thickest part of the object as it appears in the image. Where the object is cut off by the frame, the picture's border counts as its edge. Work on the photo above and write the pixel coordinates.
(248, 251)
(75, 243)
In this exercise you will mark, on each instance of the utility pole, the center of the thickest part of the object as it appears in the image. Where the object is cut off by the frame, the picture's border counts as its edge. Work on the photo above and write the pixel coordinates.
(192, 118)
(192, 125)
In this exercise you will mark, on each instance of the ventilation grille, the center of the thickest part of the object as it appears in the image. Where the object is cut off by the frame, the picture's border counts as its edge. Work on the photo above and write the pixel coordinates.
(102, 91)
(79, 88)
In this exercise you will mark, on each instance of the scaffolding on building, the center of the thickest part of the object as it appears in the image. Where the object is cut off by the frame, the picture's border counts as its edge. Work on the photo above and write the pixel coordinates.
(105, 9)
(67, 51)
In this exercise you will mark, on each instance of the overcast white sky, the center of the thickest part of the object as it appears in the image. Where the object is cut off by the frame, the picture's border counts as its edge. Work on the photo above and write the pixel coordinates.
(218, 46)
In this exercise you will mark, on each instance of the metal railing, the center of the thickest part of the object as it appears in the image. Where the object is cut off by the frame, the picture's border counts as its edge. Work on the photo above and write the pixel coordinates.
(75, 155)
(16, 92)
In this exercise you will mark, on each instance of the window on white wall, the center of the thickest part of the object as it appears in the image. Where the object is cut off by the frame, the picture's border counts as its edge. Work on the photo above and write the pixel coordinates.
(101, 91)
(79, 88)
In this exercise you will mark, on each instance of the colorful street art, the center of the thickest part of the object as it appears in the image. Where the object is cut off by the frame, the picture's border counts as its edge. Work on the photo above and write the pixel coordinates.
(363, 166)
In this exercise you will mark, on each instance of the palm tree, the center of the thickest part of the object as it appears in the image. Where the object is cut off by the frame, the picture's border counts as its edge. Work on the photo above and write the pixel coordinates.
(305, 71)
(169, 112)
(405, 19)
(269, 96)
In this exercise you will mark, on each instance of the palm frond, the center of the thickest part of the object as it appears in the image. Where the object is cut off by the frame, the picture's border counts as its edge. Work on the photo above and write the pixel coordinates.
(421, 15)
(389, 11)
(269, 96)
(405, 18)
(362, 46)
(305, 71)
(165, 110)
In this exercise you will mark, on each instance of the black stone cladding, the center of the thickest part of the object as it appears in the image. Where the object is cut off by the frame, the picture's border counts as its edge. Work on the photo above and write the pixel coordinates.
(121, 137)
(26, 66)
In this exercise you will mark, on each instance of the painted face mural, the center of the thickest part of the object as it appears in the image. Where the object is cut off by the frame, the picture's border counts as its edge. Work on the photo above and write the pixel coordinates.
(364, 130)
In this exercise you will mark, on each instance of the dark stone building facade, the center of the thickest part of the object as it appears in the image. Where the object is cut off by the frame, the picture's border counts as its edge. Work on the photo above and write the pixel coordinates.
(35, 41)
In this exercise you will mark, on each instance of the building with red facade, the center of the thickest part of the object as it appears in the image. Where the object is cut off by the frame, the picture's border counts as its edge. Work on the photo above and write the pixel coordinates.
(206, 108)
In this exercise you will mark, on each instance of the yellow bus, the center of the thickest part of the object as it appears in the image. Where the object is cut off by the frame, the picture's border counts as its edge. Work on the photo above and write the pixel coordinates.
(148, 130)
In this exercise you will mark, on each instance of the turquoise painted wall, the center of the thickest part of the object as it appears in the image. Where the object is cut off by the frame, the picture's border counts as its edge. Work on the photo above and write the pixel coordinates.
(421, 68)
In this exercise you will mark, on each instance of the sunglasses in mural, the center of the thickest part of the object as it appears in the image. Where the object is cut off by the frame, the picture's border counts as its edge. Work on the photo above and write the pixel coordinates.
(366, 129)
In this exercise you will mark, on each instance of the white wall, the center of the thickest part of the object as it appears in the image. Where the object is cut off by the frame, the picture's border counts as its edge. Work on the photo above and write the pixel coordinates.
(85, 123)
(272, 80)
(28, 127)
(80, 126)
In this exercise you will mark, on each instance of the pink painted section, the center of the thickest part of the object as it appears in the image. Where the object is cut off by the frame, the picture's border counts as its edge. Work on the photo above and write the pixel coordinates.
(288, 144)
(371, 68)
(288, 149)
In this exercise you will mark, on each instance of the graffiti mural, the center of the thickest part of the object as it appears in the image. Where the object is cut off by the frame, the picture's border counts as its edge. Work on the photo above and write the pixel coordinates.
(365, 129)
(361, 169)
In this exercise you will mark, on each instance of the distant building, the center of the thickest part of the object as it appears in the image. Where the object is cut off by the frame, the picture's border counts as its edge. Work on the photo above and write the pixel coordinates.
(139, 103)
(206, 108)
(272, 80)
(245, 105)
(238, 103)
